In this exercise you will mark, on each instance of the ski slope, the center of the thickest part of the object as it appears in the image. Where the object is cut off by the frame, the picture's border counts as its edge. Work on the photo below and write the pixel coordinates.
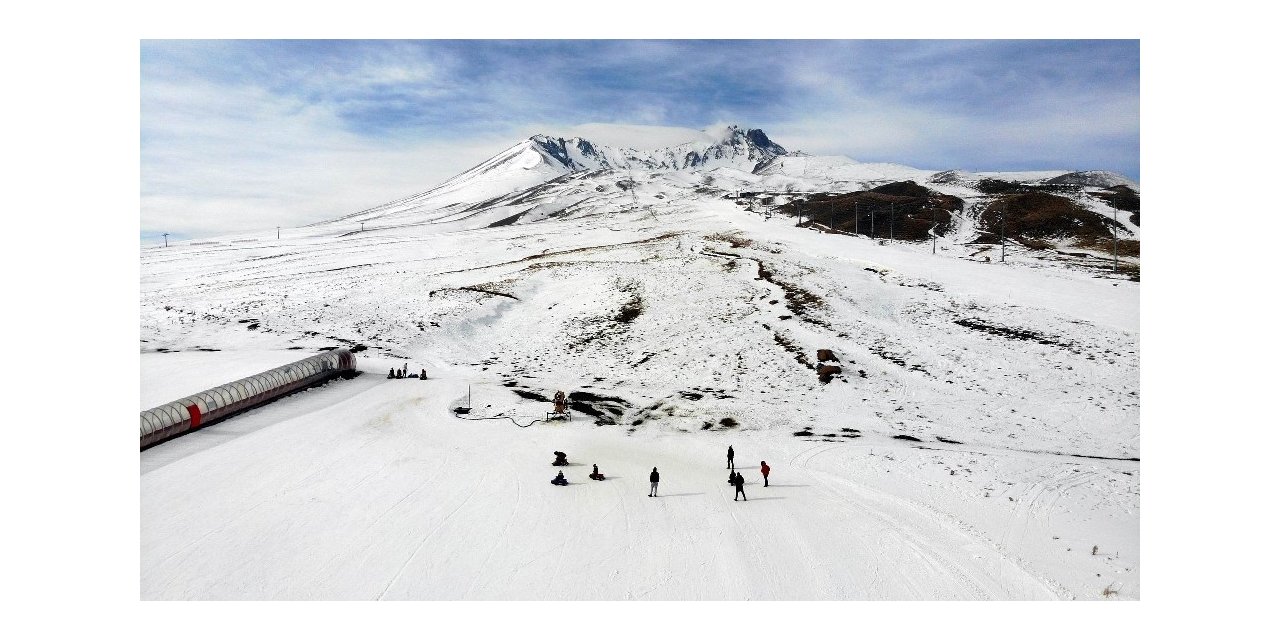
(372, 489)
(378, 494)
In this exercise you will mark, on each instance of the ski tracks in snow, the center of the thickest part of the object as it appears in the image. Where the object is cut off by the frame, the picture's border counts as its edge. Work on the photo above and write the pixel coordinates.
(474, 489)
(502, 536)
(948, 546)
(1038, 502)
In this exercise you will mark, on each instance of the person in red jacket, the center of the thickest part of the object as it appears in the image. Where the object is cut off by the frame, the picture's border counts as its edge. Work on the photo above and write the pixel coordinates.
(764, 471)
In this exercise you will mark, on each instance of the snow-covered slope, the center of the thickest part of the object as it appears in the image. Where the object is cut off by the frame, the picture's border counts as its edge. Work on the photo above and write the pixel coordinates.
(546, 178)
(1093, 179)
(981, 440)
(492, 190)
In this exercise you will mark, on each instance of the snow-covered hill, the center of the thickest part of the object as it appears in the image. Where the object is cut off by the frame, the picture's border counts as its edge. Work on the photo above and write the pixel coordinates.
(530, 167)
(981, 440)
(543, 177)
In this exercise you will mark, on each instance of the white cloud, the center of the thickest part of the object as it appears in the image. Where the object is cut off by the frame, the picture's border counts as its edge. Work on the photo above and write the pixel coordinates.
(218, 159)
(931, 137)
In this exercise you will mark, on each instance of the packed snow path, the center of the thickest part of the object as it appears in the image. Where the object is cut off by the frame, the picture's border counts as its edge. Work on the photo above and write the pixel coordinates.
(384, 496)
(373, 491)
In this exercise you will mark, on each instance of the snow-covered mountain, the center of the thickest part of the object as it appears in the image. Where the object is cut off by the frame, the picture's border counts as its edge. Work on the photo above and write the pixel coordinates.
(980, 440)
(1102, 179)
(542, 159)
(546, 177)
(731, 147)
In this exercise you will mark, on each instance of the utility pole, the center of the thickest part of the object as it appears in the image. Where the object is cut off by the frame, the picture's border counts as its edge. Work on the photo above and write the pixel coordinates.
(833, 217)
(933, 230)
(277, 233)
(855, 217)
(891, 216)
(361, 227)
(1115, 237)
(166, 240)
(1004, 214)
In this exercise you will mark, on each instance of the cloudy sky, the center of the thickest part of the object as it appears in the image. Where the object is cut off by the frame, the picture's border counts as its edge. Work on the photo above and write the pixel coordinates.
(239, 135)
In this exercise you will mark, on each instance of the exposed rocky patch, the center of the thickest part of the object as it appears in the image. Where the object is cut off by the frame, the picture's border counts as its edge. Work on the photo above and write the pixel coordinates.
(904, 209)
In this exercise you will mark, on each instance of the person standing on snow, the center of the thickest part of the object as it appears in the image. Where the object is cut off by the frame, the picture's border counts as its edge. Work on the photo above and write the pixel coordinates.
(653, 483)
(764, 471)
(737, 485)
(730, 456)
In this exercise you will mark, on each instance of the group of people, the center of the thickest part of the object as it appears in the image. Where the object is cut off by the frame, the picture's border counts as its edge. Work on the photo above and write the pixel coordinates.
(404, 373)
(562, 460)
(738, 481)
(735, 478)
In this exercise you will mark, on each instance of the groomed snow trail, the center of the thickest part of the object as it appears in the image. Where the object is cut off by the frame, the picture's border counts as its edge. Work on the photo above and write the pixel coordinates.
(385, 495)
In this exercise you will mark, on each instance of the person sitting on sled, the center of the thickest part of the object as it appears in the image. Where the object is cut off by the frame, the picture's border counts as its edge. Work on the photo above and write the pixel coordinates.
(595, 473)
(562, 460)
(559, 479)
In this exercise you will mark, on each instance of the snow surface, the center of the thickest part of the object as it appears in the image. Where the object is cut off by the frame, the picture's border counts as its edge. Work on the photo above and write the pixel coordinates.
(1018, 382)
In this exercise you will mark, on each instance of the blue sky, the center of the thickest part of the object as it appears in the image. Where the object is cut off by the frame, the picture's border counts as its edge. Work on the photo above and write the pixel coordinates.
(252, 134)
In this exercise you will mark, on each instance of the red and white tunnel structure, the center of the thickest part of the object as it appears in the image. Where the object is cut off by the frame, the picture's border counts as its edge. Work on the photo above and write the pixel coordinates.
(204, 408)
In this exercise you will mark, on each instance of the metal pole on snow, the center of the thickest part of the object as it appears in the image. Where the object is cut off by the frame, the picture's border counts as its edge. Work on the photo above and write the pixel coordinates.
(1003, 214)
(1115, 237)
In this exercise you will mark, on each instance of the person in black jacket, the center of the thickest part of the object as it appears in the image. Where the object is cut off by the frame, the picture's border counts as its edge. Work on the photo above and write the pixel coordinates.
(730, 466)
(737, 484)
(653, 483)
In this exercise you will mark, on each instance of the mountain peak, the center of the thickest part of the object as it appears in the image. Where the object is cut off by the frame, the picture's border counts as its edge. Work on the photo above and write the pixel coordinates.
(729, 145)
(734, 134)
